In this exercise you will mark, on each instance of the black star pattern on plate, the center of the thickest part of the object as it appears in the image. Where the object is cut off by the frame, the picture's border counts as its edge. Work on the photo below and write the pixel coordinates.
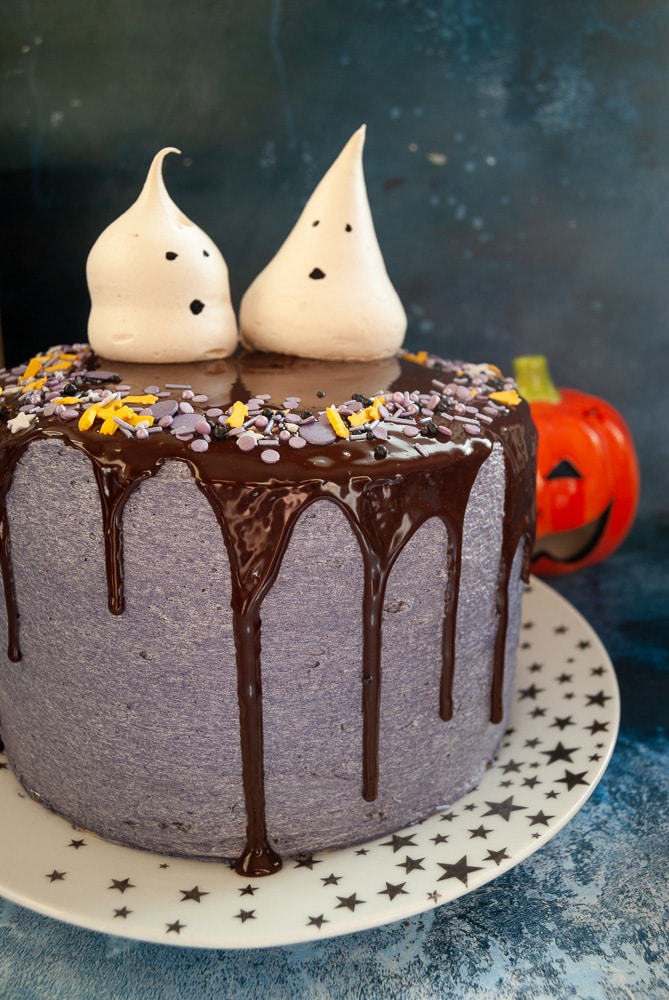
(362, 851)
(121, 884)
(56, 876)
(459, 870)
(503, 809)
(123, 912)
(597, 727)
(411, 864)
(511, 766)
(248, 890)
(531, 781)
(307, 862)
(540, 819)
(598, 699)
(480, 831)
(572, 780)
(76, 844)
(393, 890)
(175, 927)
(317, 921)
(434, 896)
(497, 856)
(245, 915)
(562, 723)
(349, 902)
(398, 842)
(560, 752)
(331, 879)
(531, 692)
(195, 894)
(439, 839)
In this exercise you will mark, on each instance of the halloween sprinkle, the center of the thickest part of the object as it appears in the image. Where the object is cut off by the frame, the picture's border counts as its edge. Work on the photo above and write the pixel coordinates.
(60, 385)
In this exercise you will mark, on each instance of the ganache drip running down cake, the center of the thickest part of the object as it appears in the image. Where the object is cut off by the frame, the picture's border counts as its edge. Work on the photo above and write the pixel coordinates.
(258, 603)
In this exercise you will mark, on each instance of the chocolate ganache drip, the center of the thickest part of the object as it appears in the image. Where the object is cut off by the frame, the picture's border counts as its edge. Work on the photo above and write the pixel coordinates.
(387, 483)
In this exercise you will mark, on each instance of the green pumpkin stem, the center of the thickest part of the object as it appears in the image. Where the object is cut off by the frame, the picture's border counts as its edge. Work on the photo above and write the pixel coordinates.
(534, 380)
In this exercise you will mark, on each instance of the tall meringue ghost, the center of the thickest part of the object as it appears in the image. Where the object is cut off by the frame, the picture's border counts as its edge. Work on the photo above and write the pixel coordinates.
(326, 294)
(159, 286)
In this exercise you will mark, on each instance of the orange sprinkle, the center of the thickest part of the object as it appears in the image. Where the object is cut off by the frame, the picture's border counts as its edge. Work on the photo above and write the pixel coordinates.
(338, 425)
(240, 412)
(507, 397)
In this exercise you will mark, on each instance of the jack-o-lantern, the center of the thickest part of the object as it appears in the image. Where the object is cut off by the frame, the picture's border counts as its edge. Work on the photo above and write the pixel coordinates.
(587, 472)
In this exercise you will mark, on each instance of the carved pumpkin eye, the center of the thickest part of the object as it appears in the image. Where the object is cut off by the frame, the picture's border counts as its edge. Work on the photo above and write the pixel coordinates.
(564, 470)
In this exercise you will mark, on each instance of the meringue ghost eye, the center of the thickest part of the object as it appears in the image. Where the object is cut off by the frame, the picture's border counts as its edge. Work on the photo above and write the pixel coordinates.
(315, 222)
(171, 255)
(205, 253)
(349, 228)
(564, 470)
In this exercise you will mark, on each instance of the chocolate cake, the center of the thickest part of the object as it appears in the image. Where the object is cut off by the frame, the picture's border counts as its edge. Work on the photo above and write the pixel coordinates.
(266, 603)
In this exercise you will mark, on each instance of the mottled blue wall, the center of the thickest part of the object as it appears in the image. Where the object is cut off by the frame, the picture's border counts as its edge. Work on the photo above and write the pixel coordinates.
(516, 163)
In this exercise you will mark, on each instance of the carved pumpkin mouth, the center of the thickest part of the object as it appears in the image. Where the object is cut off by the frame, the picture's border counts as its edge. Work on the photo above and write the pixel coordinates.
(573, 545)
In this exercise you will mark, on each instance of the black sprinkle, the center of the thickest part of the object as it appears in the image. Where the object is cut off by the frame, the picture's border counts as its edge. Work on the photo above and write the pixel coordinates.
(380, 451)
(171, 255)
(267, 412)
(317, 274)
(366, 679)
(196, 307)
(219, 432)
(306, 413)
(320, 393)
(431, 429)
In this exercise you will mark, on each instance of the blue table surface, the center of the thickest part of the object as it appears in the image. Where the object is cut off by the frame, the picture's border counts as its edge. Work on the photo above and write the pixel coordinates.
(587, 916)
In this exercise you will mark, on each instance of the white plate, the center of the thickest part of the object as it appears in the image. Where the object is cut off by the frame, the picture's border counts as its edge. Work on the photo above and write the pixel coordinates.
(562, 733)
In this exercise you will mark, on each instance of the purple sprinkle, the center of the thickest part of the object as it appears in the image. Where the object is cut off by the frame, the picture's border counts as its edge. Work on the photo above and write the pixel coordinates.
(199, 444)
(444, 430)
(151, 390)
(214, 411)
(297, 442)
(270, 455)
(246, 442)
(410, 432)
(176, 385)
(261, 422)
(200, 398)
(185, 422)
(284, 436)
(472, 428)
(292, 418)
(421, 450)
(163, 408)
(142, 433)
(186, 407)
(49, 409)
(380, 432)
(317, 432)
(202, 426)
(165, 421)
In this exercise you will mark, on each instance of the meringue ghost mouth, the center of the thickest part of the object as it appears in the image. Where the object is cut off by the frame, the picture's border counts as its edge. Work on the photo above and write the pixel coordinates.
(574, 545)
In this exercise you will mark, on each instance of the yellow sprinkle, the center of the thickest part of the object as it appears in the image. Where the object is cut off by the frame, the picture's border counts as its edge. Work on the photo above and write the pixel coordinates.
(240, 412)
(61, 366)
(359, 418)
(378, 401)
(87, 418)
(68, 356)
(147, 400)
(34, 366)
(420, 357)
(36, 384)
(66, 401)
(338, 425)
(508, 397)
(109, 426)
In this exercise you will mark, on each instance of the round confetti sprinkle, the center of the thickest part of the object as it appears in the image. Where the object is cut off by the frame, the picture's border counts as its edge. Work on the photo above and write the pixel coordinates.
(270, 456)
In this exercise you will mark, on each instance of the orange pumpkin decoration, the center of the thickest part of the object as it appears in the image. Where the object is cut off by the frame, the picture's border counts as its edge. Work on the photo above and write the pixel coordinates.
(587, 472)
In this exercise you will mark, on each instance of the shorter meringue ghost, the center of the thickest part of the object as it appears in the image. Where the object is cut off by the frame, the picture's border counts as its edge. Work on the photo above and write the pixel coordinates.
(326, 294)
(159, 286)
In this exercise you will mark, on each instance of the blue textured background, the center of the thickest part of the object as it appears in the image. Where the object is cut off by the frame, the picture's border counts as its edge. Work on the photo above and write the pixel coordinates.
(517, 170)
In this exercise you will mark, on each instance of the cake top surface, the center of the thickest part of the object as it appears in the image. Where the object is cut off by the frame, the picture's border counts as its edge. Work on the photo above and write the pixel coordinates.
(295, 415)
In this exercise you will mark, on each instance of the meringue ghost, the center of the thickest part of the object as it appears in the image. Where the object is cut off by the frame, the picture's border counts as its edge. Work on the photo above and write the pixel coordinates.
(159, 286)
(326, 294)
